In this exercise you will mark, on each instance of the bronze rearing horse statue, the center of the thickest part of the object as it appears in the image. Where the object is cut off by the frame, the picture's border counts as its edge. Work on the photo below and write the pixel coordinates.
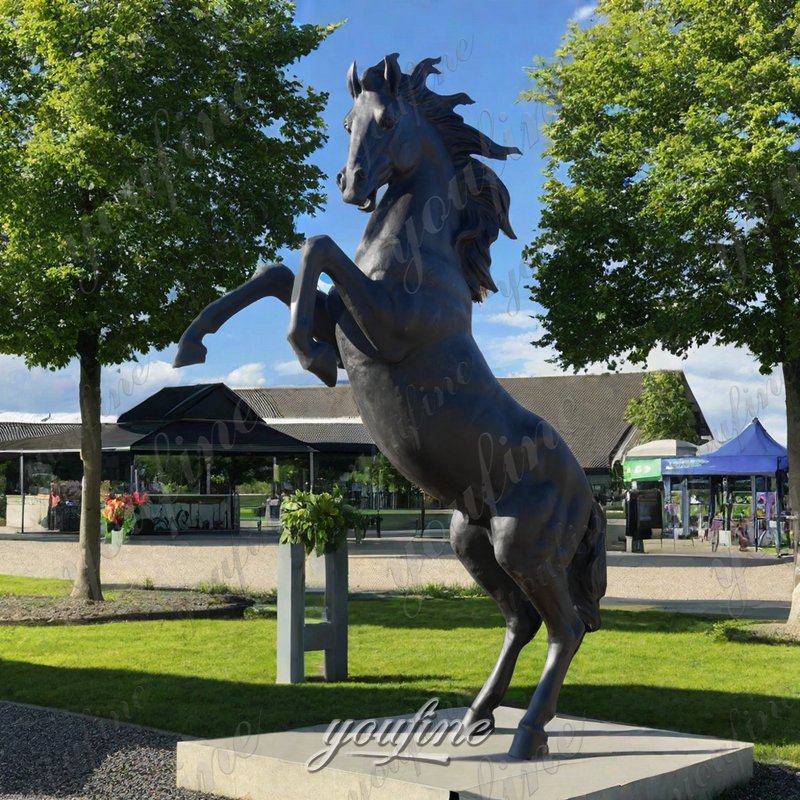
(399, 320)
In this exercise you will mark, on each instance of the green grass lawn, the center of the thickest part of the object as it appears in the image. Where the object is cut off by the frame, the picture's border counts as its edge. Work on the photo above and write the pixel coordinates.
(34, 587)
(217, 677)
(41, 587)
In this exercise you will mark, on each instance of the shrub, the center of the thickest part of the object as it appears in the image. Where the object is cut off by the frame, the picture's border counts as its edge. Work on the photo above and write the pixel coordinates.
(319, 521)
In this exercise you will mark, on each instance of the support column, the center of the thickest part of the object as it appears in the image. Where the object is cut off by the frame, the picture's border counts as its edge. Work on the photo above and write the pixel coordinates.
(295, 638)
(22, 492)
(726, 504)
(685, 510)
(336, 581)
(291, 613)
(778, 512)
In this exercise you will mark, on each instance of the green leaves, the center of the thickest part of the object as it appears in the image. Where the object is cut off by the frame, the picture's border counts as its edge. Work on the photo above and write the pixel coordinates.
(663, 411)
(319, 521)
(151, 153)
(378, 471)
(671, 207)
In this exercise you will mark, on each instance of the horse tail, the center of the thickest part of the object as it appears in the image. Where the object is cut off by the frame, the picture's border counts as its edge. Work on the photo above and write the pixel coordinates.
(587, 572)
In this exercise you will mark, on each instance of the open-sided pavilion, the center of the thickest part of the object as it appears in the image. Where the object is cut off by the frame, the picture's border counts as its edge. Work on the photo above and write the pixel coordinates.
(753, 454)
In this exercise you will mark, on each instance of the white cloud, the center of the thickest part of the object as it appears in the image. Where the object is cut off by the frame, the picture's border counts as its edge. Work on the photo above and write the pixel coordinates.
(40, 392)
(515, 356)
(72, 417)
(584, 12)
(512, 319)
(288, 368)
(301, 377)
(248, 376)
(126, 385)
(36, 390)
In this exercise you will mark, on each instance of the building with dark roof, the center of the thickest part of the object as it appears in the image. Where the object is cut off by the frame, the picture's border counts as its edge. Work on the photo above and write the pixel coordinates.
(12, 431)
(307, 402)
(588, 411)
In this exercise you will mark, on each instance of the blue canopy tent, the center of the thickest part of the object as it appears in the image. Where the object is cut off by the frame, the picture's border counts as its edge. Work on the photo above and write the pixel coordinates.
(752, 453)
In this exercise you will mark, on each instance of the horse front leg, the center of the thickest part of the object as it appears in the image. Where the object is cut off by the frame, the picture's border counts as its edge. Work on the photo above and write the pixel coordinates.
(368, 302)
(273, 280)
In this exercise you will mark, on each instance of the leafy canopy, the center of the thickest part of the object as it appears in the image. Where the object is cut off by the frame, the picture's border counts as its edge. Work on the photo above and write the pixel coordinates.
(672, 194)
(662, 410)
(151, 152)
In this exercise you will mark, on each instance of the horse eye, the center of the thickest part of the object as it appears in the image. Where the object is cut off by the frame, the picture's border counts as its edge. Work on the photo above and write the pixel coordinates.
(387, 122)
(347, 126)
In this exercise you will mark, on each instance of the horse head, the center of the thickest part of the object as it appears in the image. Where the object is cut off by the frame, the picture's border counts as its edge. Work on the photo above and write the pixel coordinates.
(394, 120)
(385, 139)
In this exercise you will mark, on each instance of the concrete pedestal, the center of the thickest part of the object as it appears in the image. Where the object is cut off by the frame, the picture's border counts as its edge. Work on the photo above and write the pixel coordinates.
(589, 759)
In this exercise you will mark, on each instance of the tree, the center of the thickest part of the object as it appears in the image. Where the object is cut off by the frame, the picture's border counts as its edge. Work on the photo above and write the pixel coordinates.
(3, 482)
(379, 472)
(672, 197)
(662, 410)
(151, 152)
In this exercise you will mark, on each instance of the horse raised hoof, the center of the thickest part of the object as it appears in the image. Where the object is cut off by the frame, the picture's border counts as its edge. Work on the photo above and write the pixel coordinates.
(529, 744)
(324, 364)
(190, 351)
(473, 717)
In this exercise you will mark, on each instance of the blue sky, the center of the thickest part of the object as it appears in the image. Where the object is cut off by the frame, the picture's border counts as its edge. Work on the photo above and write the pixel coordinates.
(485, 48)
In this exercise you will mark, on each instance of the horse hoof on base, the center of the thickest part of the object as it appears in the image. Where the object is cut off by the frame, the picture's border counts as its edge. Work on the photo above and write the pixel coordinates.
(189, 352)
(472, 718)
(529, 744)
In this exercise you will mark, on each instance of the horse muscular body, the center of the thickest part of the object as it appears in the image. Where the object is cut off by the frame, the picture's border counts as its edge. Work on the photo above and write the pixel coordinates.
(399, 320)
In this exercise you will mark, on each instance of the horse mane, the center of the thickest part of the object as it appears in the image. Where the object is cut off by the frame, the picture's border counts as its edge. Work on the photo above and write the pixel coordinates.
(480, 195)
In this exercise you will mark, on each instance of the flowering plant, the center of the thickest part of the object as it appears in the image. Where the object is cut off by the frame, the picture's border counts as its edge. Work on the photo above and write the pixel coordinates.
(120, 512)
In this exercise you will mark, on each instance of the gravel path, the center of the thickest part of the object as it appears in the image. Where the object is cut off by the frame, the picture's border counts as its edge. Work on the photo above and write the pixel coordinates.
(55, 755)
(674, 571)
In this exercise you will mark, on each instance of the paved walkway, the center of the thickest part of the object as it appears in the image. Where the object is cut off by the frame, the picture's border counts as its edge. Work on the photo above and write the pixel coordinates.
(676, 576)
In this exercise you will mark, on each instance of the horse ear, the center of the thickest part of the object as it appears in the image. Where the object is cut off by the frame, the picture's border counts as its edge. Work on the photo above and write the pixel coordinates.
(353, 83)
(392, 72)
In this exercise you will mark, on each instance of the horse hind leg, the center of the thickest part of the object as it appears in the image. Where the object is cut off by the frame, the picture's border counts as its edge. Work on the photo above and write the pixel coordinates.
(471, 544)
(544, 581)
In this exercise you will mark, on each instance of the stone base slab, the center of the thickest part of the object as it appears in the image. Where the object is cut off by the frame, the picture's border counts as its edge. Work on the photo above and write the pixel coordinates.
(589, 759)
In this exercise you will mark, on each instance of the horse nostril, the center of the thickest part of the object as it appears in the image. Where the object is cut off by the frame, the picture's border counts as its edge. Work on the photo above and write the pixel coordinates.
(359, 176)
(340, 182)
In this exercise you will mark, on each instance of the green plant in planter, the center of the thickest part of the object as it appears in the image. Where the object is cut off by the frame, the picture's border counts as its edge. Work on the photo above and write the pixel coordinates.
(319, 521)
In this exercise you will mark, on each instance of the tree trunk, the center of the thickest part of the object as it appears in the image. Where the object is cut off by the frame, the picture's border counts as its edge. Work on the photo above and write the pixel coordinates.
(87, 581)
(791, 376)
